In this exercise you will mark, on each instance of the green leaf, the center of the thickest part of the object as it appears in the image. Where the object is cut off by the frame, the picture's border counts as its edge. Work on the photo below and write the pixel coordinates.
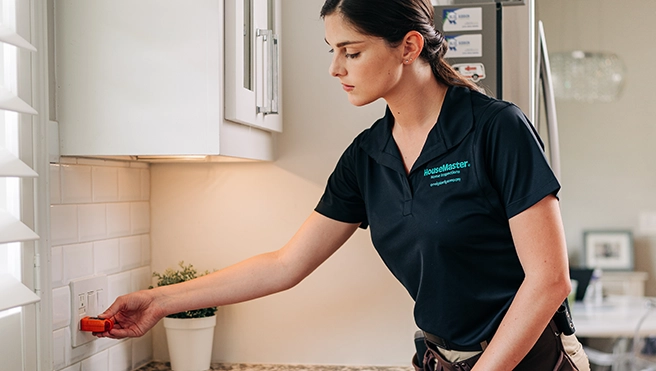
(185, 273)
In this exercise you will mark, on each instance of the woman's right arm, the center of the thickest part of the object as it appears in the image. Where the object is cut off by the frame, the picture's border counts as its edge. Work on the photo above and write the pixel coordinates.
(317, 239)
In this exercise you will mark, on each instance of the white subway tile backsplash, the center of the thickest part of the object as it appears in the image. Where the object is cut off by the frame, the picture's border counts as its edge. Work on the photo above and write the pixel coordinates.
(129, 184)
(61, 307)
(78, 261)
(61, 345)
(145, 184)
(118, 163)
(140, 217)
(119, 284)
(63, 224)
(92, 222)
(120, 357)
(57, 266)
(141, 279)
(130, 252)
(139, 165)
(76, 184)
(106, 256)
(102, 162)
(85, 350)
(104, 343)
(97, 362)
(142, 350)
(100, 224)
(104, 184)
(55, 184)
(118, 219)
(90, 161)
(145, 249)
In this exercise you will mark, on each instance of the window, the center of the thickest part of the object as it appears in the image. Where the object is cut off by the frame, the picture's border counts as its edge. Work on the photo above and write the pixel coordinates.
(22, 205)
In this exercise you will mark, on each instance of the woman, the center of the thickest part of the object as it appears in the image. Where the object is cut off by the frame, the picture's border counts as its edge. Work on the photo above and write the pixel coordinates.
(461, 203)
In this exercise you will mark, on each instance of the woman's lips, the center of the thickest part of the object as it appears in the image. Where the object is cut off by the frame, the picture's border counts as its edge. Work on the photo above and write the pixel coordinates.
(348, 88)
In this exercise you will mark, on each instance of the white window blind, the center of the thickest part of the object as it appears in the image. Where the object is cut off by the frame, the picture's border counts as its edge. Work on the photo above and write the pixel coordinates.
(13, 109)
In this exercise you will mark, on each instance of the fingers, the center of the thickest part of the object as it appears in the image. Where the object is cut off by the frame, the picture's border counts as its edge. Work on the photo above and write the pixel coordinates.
(113, 334)
(118, 332)
(131, 316)
(112, 310)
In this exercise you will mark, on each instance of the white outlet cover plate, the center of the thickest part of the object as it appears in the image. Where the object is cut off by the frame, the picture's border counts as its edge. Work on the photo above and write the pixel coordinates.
(96, 286)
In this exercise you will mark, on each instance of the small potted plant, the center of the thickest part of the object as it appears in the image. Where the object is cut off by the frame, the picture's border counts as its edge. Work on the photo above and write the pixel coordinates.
(189, 334)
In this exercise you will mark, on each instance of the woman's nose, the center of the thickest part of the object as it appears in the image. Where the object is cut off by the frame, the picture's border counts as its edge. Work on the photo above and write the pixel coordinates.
(335, 69)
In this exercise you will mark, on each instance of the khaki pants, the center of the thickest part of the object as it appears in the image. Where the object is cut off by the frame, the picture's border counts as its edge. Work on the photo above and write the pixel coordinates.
(575, 351)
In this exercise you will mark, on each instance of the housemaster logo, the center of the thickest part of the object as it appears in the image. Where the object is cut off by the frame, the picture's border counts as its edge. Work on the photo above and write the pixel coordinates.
(447, 173)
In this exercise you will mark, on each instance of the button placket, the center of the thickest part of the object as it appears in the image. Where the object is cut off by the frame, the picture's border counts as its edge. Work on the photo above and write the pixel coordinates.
(407, 195)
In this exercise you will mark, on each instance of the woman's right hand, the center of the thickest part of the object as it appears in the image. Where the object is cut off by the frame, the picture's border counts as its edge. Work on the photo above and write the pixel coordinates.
(133, 315)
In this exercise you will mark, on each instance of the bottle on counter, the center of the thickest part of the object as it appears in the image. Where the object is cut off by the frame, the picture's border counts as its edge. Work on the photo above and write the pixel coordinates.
(594, 292)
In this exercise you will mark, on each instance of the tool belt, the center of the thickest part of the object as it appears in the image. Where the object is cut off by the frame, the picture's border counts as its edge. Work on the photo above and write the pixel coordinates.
(547, 354)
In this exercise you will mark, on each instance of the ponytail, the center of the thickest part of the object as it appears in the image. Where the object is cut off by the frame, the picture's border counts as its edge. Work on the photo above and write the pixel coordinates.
(435, 47)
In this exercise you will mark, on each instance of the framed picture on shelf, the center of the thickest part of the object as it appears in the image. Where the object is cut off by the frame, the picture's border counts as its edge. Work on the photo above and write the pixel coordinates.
(609, 250)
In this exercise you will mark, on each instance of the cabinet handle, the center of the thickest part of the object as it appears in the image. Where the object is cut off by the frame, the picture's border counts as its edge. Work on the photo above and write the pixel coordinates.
(270, 100)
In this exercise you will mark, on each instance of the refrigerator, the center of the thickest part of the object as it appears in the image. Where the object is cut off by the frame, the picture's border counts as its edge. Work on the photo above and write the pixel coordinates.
(499, 45)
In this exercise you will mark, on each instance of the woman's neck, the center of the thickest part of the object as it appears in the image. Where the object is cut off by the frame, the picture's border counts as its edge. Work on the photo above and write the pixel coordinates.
(418, 101)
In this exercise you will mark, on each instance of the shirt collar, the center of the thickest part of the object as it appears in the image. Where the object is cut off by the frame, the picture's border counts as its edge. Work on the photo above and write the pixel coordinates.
(453, 124)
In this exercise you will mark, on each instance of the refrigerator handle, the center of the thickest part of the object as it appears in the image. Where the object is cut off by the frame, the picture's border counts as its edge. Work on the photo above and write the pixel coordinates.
(546, 83)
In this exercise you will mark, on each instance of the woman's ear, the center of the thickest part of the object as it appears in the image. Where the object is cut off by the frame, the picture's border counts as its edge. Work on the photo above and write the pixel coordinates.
(413, 44)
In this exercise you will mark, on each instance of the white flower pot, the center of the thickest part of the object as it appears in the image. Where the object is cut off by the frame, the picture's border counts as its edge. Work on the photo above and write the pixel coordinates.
(190, 342)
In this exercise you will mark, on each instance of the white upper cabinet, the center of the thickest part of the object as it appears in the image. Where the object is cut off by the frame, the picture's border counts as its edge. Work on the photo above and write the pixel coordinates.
(150, 79)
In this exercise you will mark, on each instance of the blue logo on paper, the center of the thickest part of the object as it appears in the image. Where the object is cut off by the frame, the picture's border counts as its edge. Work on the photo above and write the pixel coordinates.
(453, 43)
(451, 16)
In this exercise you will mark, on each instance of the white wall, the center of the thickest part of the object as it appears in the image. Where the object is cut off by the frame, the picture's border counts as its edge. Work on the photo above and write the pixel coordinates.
(607, 149)
(351, 310)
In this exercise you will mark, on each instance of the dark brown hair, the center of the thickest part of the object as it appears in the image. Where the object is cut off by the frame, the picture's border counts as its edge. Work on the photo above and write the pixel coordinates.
(391, 20)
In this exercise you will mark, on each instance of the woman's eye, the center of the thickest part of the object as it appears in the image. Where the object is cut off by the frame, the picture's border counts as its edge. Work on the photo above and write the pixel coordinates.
(352, 55)
(331, 51)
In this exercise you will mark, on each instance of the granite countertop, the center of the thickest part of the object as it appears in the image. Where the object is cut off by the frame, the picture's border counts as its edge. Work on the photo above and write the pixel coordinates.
(166, 366)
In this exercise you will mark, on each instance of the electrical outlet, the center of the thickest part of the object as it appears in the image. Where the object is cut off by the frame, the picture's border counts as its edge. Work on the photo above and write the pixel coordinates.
(88, 298)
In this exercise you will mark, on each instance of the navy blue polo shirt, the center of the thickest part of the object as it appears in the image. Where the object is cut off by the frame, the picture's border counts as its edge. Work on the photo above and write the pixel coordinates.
(443, 228)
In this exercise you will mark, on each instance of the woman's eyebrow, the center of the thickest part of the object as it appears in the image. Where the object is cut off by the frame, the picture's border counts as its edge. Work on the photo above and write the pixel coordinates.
(344, 43)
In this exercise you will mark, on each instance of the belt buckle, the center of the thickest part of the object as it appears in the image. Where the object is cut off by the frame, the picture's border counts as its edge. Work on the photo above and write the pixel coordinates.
(439, 342)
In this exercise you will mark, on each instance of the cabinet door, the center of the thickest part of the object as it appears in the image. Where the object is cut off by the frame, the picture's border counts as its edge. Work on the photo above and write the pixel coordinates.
(252, 63)
(139, 78)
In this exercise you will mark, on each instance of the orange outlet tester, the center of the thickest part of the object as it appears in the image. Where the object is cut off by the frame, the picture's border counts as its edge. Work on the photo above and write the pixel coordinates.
(95, 324)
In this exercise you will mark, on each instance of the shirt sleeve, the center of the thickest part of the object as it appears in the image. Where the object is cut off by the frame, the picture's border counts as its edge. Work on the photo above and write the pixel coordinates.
(342, 199)
(515, 161)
